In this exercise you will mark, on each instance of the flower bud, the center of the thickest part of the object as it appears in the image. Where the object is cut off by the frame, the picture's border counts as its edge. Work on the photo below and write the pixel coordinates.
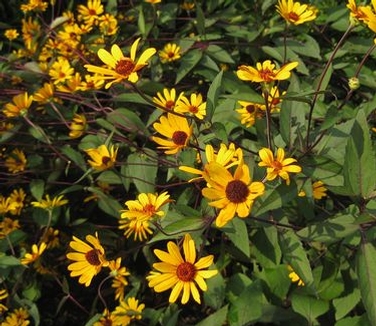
(353, 83)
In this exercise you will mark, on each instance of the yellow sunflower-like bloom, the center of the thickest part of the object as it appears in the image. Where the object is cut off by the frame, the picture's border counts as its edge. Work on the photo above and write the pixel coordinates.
(49, 203)
(102, 158)
(265, 72)
(120, 67)
(168, 99)
(18, 317)
(91, 11)
(34, 5)
(279, 165)
(177, 131)
(171, 52)
(17, 197)
(45, 94)
(194, 106)
(136, 219)
(3, 295)
(226, 156)
(16, 161)
(294, 277)
(77, 126)
(296, 13)
(7, 205)
(250, 112)
(119, 275)
(36, 252)
(19, 105)
(232, 194)
(128, 311)
(11, 34)
(370, 16)
(61, 71)
(153, 1)
(188, 5)
(7, 226)
(181, 274)
(89, 258)
(359, 13)
(318, 190)
(274, 100)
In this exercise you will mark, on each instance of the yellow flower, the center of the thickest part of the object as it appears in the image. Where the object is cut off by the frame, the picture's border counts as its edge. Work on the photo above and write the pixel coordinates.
(108, 24)
(265, 72)
(89, 258)
(127, 311)
(168, 100)
(153, 1)
(227, 157)
(7, 205)
(77, 126)
(51, 238)
(49, 203)
(187, 5)
(294, 277)
(194, 106)
(296, 13)
(61, 71)
(181, 274)
(17, 197)
(136, 219)
(11, 34)
(36, 252)
(7, 226)
(250, 112)
(119, 278)
(3, 295)
(91, 12)
(73, 84)
(19, 106)
(171, 52)
(177, 131)
(16, 161)
(102, 158)
(107, 319)
(233, 195)
(279, 165)
(45, 94)
(274, 100)
(361, 13)
(121, 67)
(18, 317)
(34, 5)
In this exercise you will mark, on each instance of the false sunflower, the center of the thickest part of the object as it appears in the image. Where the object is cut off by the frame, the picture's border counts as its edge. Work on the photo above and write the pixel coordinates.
(19, 105)
(168, 99)
(89, 258)
(121, 67)
(194, 105)
(171, 52)
(296, 13)
(265, 72)
(177, 131)
(102, 158)
(279, 165)
(181, 274)
(232, 194)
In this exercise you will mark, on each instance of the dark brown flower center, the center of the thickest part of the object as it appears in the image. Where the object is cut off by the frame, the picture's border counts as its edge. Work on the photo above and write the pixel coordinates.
(169, 104)
(171, 54)
(149, 209)
(293, 16)
(125, 67)
(179, 137)
(251, 108)
(237, 191)
(92, 257)
(186, 272)
(193, 109)
(106, 160)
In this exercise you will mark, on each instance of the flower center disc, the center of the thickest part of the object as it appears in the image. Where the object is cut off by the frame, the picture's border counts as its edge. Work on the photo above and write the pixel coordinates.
(106, 160)
(250, 108)
(186, 272)
(179, 137)
(277, 165)
(237, 191)
(125, 67)
(293, 16)
(92, 257)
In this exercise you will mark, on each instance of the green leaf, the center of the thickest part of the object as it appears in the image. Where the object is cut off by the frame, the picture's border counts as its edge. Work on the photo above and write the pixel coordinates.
(295, 255)
(127, 121)
(37, 188)
(247, 307)
(187, 63)
(219, 54)
(213, 93)
(237, 232)
(354, 321)
(7, 261)
(309, 307)
(106, 203)
(74, 155)
(200, 20)
(266, 247)
(366, 271)
(274, 198)
(217, 318)
(331, 230)
(143, 171)
(360, 160)
(344, 305)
